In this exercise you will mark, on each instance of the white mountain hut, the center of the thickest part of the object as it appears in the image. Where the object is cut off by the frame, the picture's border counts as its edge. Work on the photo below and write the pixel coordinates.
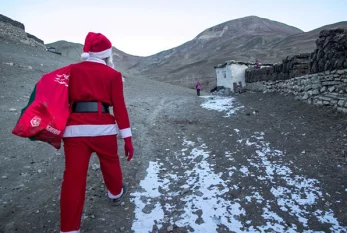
(231, 75)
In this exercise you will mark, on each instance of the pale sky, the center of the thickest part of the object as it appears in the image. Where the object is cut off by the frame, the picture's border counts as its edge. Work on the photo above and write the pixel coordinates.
(146, 27)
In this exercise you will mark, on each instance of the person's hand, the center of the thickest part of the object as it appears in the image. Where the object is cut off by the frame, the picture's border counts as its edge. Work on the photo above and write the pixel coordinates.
(128, 148)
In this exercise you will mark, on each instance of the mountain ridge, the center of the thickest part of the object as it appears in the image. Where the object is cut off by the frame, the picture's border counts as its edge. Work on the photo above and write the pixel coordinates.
(249, 38)
(195, 59)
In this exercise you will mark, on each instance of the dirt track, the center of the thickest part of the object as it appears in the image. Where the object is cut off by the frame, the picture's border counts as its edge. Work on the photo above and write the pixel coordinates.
(275, 165)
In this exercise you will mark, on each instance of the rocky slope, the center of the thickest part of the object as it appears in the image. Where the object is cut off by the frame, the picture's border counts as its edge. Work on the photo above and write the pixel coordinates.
(15, 31)
(230, 40)
(303, 42)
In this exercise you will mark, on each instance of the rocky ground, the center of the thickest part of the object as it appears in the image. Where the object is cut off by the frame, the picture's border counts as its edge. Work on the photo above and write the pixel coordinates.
(249, 163)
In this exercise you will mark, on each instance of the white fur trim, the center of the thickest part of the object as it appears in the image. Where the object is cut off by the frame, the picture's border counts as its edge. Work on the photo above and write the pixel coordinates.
(110, 195)
(97, 60)
(84, 56)
(78, 231)
(109, 61)
(125, 133)
(90, 130)
(103, 54)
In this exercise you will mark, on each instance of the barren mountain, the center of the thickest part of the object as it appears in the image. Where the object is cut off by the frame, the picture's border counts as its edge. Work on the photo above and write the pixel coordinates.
(303, 42)
(230, 40)
(245, 39)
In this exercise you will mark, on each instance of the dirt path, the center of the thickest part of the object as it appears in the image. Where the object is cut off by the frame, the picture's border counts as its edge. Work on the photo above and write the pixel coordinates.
(256, 163)
(258, 170)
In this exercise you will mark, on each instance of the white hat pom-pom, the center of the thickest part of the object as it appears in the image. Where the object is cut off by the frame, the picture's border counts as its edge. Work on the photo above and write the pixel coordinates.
(84, 56)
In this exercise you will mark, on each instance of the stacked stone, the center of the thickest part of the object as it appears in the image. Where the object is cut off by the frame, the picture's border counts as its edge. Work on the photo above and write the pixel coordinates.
(292, 66)
(255, 75)
(331, 51)
(297, 65)
(327, 88)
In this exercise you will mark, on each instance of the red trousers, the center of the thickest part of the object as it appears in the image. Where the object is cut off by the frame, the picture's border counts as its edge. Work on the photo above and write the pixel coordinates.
(77, 155)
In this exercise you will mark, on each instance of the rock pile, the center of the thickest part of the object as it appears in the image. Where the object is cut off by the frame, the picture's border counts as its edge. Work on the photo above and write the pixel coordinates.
(35, 38)
(331, 51)
(15, 23)
(292, 66)
(15, 31)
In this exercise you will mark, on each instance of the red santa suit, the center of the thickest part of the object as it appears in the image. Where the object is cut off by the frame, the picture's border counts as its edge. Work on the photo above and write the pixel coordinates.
(93, 81)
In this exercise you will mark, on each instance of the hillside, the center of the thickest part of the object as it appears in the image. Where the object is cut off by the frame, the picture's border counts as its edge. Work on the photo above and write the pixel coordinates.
(303, 42)
(230, 40)
(68, 49)
(245, 39)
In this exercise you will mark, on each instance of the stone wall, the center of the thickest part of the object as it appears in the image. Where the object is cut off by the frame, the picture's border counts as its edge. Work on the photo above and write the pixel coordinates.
(331, 52)
(14, 31)
(318, 78)
(291, 66)
(327, 88)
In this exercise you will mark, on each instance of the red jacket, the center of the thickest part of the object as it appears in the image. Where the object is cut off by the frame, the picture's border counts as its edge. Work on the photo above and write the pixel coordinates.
(95, 81)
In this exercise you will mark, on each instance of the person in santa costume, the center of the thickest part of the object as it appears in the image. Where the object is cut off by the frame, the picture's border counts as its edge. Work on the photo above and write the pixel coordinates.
(94, 86)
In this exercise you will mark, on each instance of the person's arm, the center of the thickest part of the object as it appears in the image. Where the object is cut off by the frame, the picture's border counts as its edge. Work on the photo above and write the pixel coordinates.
(121, 114)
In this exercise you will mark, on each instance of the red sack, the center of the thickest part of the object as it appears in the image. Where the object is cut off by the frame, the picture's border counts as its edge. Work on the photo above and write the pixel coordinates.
(45, 116)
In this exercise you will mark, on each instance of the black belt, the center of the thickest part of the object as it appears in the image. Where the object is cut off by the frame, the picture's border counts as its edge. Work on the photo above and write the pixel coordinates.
(87, 107)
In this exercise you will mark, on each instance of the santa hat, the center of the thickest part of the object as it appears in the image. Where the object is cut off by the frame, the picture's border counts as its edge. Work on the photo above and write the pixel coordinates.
(96, 45)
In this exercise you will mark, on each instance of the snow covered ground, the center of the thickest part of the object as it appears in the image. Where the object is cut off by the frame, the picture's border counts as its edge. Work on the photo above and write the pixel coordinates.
(194, 195)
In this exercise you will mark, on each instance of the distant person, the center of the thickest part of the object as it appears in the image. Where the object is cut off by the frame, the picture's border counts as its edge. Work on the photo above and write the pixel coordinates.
(257, 64)
(198, 87)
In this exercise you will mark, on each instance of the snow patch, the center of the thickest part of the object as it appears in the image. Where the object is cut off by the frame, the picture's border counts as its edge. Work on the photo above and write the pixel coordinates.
(202, 207)
(144, 222)
(220, 104)
(197, 199)
(299, 195)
